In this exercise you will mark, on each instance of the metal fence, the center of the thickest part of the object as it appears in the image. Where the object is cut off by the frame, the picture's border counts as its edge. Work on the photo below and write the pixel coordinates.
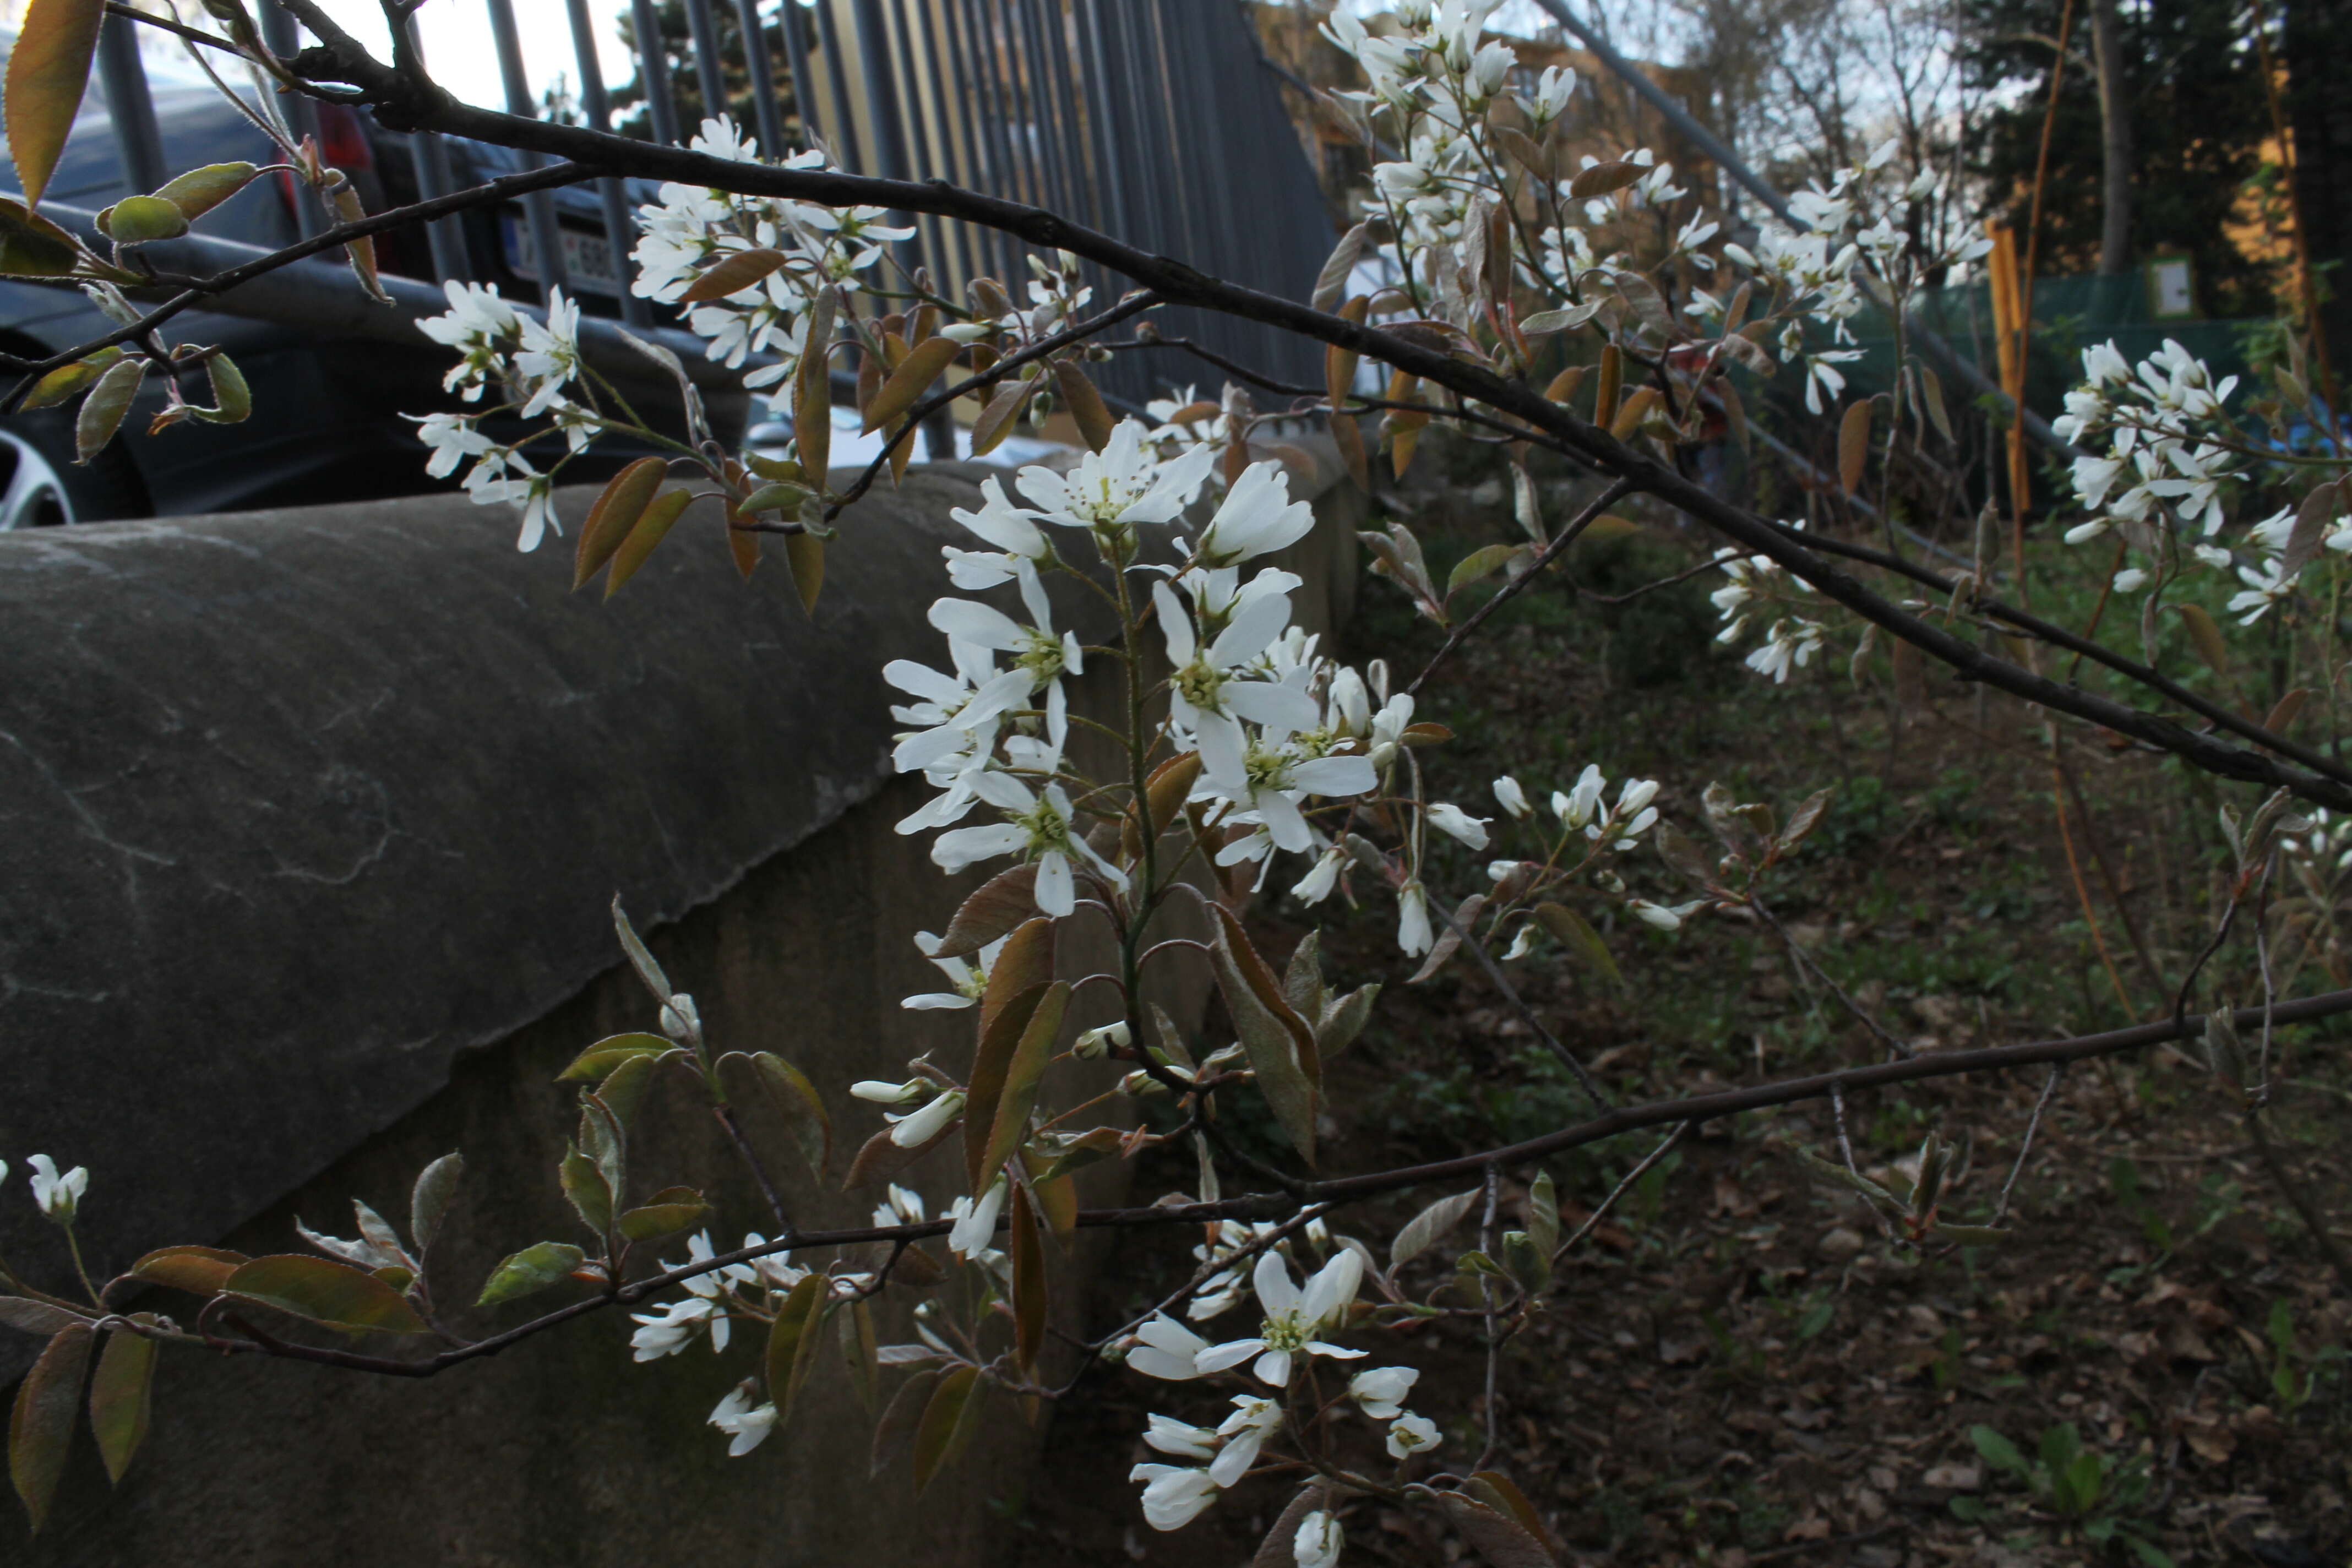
(1155, 121)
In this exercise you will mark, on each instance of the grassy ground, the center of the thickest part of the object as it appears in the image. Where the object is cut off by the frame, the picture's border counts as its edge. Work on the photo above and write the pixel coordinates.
(1738, 1369)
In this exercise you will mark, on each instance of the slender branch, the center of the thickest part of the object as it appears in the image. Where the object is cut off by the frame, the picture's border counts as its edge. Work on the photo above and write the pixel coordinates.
(1469, 938)
(1592, 1221)
(2001, 1210)
(1551, 553)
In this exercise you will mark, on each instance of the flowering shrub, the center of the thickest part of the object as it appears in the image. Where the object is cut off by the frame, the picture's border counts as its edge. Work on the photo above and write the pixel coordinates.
(1243, 757)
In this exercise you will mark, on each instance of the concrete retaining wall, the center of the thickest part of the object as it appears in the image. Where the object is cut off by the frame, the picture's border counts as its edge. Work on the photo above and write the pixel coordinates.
(312, 821)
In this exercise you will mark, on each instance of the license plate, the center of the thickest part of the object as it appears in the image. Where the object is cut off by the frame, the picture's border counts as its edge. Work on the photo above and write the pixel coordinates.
(587, 256)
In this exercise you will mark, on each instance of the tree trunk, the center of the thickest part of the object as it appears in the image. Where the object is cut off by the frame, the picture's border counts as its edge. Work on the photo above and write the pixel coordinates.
(2114, 138)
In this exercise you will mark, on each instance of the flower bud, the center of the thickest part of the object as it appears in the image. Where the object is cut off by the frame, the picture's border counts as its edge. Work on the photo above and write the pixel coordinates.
(1511, 797)
(1097, 1044)
(679, 1018)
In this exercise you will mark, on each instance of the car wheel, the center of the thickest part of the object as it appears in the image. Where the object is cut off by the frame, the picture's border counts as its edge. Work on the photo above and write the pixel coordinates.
(41, 486)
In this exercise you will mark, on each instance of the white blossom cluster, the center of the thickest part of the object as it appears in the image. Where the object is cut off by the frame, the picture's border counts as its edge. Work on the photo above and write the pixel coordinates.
(1756, 581)
(58, 1195)
(1583, 811)
(2168, 469)
(532, 363)
(1294, 1319)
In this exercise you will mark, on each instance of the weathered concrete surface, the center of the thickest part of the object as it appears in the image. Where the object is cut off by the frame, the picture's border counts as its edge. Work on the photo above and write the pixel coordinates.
(297, 812)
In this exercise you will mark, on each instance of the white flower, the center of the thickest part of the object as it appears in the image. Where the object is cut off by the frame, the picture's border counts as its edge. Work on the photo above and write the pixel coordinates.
(739, 1419)
(900, 1205)
(1037, 652)
(1170, 1435)
(2130, 580)
(1037, 826)
(1244, 1432)
(672, 1328)
(451, 439)
(58, 1196)
(882, 1091)
(1379, 1392)
(1318, 1541)
(479, 325)
(716, 1283)
(975, 1224)
(1413, 936)
(1118, 488)
(1173, 1497)
(1458, 824)
(968, 982)
(912, 1132)
(1575, 808)
(1317, 885)
(1256, 517)
(1293, 1318)
(551, 353)
(1409, 1434)
(1511, 797)
(1018, 541)
(1656, 915)
(1166, 1349)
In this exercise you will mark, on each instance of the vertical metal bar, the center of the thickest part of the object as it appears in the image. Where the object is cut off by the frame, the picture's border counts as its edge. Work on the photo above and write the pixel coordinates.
(709, 63)
(1110, 149)
(1086, 204)
(763, 77)
(284, 36)
(444, 237)
(837, 75)
(129, 105)
(539, 207)
(908, 89)
(796, 60)
(653, 72)
(958, 157)
(1056, 194)
(598, 110)
(984, 55)
(953, 251)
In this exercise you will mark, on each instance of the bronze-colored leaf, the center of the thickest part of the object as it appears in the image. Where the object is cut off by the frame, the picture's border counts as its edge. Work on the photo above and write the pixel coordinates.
(2310, 531)
(795, 1099)
(994, 908)
(1279, 1042)
(35, 1317)
(48, 70)
(991, 1067)
(900, 1417)
(1164, 793)
(1579, 937)
(1612, 379)
(793, 1339)
(1603, 179)
(40, 1429)
(804, 554)
(1348, 436)
(2206, 635)
(1563, 386)
(1331, 283)
(1029, 1289)
(1022, 1075)
(1806, 817)
(360, 252)
(325, 1293)
(2289, 707)
(618, 506)
(859, 1354)
(1498, 1537)
(199, 1270)
(1499, 1492)
(1633, 411)
(1853, 445)
(1000, 413)
(924, 364)
(812, 392)
(121, 1396)
(651, 527)
(1087, 410)
(1025, 960)
(738, 272)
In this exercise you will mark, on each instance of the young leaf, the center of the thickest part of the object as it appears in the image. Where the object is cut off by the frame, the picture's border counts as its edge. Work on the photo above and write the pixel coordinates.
(1302, 977)
(947, 1423)
(1427, 1227)
(1543, 1214)
(534, 1268)
(796, 1100)
(40, 1429)
(738, 271)
(1343, 1019)
(1087, 410)
(1579, 936)
(102, 411)
(812, 392)
(1026, 959)
(136, 220)
(1846, 1178)
(1484, 562)
(1331, 283)
(792, 1340)
(1612, 379)
(35, 1317)
(429, 1205)
(624, 1087)
(650, 531)
(1002, 413)
(2311, 521)
(858, 1352)
(1999, 1451)
(1498, 1491)
(591, 1196)
(667, 1212)
(1023, 1074)
(359, 252)
(1498, 1537)
(991, 1070)
(199, 191)
(1805, 818)
(599, 1060)
(121, 1397)
(325, 1293)
(1603, 179)
(199, 1270)
(1276, 1040)
(804, 554)
(1931, 390)
(923, 365)
(48, 70)
(618, 506)
(1164, 793)
(2289, 707)
(1853, 445)
(995, 908)
(900, 1417)
(1280, 1548)
(2211, 646)
(1029, 1292)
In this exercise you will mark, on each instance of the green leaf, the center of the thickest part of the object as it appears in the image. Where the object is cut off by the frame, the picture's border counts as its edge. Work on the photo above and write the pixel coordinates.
(1846, 1178)
(134, 219)
(48, 70)
(1427, 1227)
(40, 1429)
(947, 1423)
(793, 1339)
(436, 1188)
(597, 1062)
(591, 1196)
(1543, 1214)
(859, 1353)
(533, 1268)
(121, 1396)
(1302, 977)
(102, 411)
(1578, 936)
(1276, 1040)
(2147, 1552)
(1089, 1147)
(199, 191)
(69, 381)
(1343, 1019)
(33, 246)
(1022, 1075)
(1481, 562)
(232, 398)
(901, 1418)
(1999, 1451)
(813, 393)
(671, 1210)
(624, 1089)
(795, 1098)
(325, 1293)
